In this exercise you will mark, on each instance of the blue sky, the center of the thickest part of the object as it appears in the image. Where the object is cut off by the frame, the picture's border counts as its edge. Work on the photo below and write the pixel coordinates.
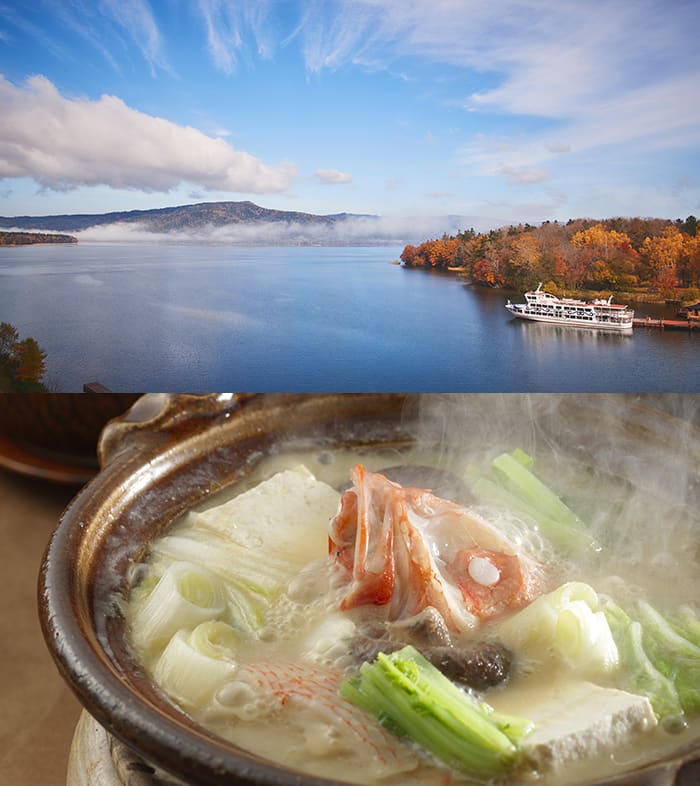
(497, 110)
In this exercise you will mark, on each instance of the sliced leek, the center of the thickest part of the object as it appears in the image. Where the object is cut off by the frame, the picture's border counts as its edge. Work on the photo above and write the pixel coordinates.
(568, 625)
(228, 560)
(194, 665)
(185, 595)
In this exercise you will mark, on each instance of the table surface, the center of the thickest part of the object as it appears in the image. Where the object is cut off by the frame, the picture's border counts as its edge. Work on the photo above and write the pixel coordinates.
(38, 711)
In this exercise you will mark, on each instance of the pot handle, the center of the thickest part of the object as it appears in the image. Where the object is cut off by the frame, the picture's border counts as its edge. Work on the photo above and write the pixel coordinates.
(158, 418)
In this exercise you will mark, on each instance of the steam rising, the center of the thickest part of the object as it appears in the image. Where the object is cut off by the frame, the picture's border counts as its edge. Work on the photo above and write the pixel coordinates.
(628, 465)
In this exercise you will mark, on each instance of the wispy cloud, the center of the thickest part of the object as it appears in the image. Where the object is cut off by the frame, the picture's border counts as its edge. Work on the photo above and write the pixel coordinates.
(332, 177)
(335, 33)
(110, 27)
(64, 143)
(136, 19)
(647, 119)
(229, 25)
(600, 73)
(15, 19)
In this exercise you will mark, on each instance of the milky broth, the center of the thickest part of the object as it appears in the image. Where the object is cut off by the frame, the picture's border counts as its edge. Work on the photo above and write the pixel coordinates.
(290, 733)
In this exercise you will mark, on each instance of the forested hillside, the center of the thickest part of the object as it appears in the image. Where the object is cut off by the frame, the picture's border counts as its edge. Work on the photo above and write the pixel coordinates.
(619, 254)
(180, 218)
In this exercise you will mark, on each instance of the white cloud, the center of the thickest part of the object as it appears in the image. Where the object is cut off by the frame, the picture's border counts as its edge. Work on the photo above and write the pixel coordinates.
(647, 118)
(546, 55)
(598, 73)
(332, 177)
(67, 142)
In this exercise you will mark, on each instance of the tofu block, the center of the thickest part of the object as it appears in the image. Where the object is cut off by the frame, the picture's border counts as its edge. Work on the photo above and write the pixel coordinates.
(286, 516)
(575, 721)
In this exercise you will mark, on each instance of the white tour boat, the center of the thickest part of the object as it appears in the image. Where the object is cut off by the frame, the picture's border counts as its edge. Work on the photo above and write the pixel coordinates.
(601, 314)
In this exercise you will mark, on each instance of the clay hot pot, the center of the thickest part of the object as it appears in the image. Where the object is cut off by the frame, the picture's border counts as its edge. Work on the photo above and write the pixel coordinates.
(167, 454)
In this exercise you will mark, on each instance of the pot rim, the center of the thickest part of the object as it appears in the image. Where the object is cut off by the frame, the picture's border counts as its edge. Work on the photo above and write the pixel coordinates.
(156, 441)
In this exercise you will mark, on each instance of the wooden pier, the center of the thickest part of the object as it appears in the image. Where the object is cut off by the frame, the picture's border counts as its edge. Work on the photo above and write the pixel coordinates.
(666, 324)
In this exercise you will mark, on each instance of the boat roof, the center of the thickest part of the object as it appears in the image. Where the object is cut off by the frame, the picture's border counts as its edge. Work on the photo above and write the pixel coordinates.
(574, 301)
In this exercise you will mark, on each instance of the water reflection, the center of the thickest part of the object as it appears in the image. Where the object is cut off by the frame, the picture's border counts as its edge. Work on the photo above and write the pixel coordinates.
(184, 318)
(537, 333)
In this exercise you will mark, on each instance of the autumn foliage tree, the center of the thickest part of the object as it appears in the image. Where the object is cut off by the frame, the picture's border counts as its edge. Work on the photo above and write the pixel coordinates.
(30, 359)
(689, 263)
(613, 254)
(433, 253)
(22, 363)
(524, 261)
(662, 255)
(607, 255)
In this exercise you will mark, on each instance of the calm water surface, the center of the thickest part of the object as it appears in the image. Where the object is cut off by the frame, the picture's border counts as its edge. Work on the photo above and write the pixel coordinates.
(198, 317)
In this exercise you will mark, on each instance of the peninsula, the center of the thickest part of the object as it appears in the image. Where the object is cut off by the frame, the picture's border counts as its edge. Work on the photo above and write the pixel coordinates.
(30, 238)
(647, 259)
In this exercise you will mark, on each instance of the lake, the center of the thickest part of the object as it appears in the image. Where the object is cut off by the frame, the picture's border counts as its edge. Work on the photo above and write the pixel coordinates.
(193, 318)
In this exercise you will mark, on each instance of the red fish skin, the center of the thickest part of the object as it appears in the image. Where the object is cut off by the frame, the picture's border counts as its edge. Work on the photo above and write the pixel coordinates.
(407, 549)
(286, 684)
(366, 551)
(341, 537)
(510, 592)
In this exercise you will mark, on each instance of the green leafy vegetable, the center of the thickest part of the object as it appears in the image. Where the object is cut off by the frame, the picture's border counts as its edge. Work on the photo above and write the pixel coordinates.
(511, 483)
(673, 654)
(660, 662)
(658, 628)
(412, 698)
(686, 622)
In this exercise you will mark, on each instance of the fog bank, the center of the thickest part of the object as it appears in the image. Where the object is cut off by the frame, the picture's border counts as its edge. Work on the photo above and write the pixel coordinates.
(361, 230)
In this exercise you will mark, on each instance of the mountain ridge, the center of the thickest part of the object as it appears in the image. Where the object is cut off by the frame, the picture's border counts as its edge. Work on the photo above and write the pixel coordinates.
(179, 218)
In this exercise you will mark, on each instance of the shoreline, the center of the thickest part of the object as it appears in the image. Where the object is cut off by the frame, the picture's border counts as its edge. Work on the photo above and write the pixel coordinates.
(635, 297)
(34, 238)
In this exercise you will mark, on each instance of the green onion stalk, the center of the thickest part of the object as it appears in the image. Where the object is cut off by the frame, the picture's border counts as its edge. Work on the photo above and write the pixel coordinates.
(412, 698)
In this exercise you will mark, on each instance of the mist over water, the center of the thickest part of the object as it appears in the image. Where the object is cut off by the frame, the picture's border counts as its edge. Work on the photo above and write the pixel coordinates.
(196, 317)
